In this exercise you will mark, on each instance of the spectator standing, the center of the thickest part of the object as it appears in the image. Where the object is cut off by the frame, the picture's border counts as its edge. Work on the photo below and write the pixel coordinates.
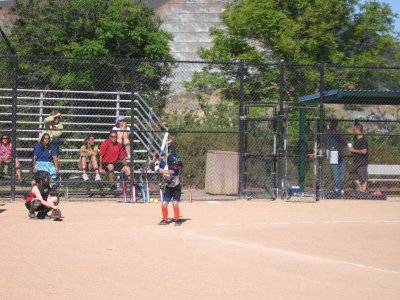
(112, 157)
(335, 143)
(45, 157)
(5, 156)
(359, 150)
(88, 160)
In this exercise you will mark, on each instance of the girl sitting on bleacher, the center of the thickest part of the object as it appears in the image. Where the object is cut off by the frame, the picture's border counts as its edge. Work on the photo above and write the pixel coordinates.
(5, 156)
(88, 160)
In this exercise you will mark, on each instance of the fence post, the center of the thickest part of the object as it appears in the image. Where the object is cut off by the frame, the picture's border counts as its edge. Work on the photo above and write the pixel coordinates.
(14, 125)
(302, 140)
(320, 184)
(242, 129)
(131, 163)
(281, 119)
(13, 112)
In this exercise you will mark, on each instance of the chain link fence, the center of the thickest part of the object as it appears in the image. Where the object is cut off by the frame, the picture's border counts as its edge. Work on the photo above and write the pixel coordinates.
(241, 130)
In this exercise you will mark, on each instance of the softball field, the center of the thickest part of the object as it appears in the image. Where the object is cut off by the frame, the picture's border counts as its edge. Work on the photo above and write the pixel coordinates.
(332, 249)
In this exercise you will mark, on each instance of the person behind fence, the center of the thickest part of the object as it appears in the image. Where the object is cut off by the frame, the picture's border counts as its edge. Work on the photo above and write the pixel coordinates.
(88, 157)
(334, 142)
(40, 201)
(123, 136)
(359, 150)
(5, 157)
(45, 157)
(53, 127)
(172, 191)
(112, 157)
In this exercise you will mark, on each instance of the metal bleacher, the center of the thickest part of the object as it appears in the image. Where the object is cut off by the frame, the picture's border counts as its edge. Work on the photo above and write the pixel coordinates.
(83, 112)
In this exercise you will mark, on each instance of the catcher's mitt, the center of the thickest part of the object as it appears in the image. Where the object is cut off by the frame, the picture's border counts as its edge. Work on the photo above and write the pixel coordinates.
(56, 214)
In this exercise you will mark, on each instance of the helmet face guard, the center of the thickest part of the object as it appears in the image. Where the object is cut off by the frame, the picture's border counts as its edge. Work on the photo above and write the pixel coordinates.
(173, 161)
(42, 177)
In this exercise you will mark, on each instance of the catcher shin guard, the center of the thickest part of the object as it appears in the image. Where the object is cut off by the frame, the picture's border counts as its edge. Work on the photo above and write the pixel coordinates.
(35, 204)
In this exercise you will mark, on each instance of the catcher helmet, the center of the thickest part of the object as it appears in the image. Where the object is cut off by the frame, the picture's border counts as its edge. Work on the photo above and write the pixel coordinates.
(42, 177)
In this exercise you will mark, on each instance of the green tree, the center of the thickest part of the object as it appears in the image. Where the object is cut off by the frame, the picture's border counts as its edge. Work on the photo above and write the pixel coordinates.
(126, 34)
(261, 33)
(305, 31)
(78, 28)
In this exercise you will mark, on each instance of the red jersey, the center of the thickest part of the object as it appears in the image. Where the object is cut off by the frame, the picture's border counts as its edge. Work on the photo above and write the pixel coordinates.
(44, 191)
(30, 196)
(111, 152)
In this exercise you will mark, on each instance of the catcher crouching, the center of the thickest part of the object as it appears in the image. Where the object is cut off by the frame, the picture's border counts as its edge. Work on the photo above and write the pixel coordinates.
(39, 201)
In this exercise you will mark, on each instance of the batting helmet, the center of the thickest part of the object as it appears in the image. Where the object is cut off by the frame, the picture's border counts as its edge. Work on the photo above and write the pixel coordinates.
(173, 160)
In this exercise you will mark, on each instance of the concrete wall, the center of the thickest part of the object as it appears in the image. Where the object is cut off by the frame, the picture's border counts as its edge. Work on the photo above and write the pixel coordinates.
(189, 21)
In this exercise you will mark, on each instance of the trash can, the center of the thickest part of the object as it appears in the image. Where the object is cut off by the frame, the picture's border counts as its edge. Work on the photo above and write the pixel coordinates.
(222, 172)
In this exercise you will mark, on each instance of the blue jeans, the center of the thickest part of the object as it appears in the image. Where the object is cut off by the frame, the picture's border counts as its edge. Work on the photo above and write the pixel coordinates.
(337, 171)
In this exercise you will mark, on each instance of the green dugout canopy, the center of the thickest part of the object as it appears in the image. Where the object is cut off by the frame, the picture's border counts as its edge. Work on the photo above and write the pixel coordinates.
(338, 96)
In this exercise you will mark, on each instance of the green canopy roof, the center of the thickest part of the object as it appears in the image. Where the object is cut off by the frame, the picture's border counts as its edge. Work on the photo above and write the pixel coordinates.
(338, 96)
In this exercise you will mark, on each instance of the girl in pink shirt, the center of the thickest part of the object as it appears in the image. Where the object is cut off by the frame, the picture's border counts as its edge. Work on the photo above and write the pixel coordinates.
(5, 155)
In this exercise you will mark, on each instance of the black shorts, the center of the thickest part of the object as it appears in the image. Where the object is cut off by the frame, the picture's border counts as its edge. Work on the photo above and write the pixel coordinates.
(172, 193)
(359, 172)
(117, 165)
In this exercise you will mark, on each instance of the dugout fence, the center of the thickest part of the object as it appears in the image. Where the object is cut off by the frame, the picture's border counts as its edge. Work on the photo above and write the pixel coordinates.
(249, 108)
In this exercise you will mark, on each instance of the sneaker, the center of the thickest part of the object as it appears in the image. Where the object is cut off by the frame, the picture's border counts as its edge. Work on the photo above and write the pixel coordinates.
(163, 222)
(178, 223)
(98, 177)
(31, 215)
(85, 176)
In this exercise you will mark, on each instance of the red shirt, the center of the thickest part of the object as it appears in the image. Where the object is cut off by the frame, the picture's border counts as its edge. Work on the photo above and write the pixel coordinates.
(30, 196)
(111, 152)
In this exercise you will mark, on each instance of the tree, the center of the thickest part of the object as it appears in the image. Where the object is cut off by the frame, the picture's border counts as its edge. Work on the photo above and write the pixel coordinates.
(95, 28)
(92, 45)
(308, 32)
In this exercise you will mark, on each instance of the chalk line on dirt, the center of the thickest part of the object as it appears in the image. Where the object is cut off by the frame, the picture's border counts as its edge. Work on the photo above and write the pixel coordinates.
(280, 251)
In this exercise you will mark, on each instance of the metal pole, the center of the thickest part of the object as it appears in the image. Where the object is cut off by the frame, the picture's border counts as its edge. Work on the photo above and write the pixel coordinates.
(281, 120)
(13, 112)
(242, 132)
(9, 46)
(13, 125)
(132, 133)
(302, 159)
(321, 129)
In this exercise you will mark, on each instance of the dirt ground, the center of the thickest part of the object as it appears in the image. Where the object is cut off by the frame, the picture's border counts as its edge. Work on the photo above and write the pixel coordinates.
(332, 249)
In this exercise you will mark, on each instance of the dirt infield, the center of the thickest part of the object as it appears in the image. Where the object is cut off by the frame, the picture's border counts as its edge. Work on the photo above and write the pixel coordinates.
(231, 250)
